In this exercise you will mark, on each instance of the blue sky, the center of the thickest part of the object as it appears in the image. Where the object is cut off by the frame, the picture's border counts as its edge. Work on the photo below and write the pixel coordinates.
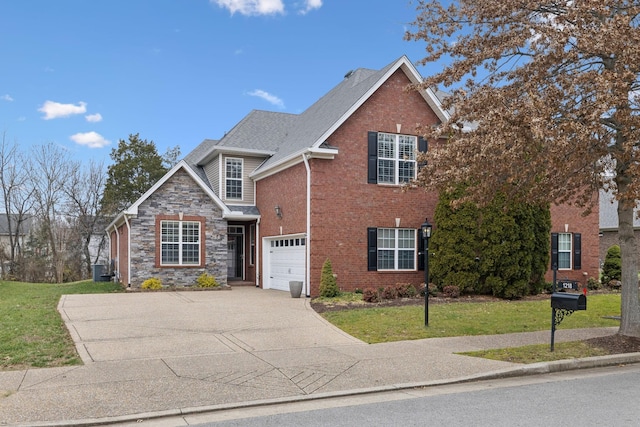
(85, 73)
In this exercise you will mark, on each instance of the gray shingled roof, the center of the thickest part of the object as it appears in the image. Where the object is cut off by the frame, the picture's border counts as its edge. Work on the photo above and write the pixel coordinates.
(198, 153)
(609, 212)
(314, 122)
(285, 134)
(24, 228)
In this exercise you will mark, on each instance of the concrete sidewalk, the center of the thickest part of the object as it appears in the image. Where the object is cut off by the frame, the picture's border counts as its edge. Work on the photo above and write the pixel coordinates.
(174, 353)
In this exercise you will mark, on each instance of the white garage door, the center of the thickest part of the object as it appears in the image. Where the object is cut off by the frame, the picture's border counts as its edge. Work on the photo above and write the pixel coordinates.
(285, 261)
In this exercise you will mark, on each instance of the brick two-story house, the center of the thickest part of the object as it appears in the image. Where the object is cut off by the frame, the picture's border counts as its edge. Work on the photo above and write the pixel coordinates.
(280, 193)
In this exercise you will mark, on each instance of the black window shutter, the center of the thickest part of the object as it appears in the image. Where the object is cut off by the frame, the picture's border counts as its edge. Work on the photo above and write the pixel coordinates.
(423, 146)
(421, 252)
(577, 251)
(554, 251)
(372, 247)
(373, 158)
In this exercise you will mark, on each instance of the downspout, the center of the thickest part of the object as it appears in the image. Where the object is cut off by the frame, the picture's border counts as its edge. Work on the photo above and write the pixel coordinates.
(307, 281)
(115, 227)
(126, 220)
(257, 253)
(108, 233)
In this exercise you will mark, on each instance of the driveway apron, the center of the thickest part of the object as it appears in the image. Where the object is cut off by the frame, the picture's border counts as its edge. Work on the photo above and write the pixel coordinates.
(152, 325)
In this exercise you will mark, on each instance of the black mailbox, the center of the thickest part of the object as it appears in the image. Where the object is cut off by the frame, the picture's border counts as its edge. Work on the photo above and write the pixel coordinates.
(567, 301)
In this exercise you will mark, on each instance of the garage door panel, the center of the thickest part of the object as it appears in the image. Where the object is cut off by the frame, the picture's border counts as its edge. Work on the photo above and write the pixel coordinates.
(286, 262)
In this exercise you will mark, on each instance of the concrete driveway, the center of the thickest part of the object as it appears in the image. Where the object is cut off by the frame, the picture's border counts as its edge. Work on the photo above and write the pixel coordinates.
(152, 325)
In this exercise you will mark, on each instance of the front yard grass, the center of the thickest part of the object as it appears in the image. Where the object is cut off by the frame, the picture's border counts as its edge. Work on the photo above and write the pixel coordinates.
(32, 333)
(384, 324)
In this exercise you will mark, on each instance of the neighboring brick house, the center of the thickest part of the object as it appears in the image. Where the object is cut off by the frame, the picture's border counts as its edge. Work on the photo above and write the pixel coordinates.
(280, 193)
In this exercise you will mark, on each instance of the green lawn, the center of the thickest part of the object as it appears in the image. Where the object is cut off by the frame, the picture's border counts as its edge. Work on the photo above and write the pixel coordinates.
(32, 333)
(384, 324)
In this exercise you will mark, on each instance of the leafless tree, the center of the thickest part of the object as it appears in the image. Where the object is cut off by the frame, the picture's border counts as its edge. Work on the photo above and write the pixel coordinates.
(84, 191)
(16, 200)
(51, 169)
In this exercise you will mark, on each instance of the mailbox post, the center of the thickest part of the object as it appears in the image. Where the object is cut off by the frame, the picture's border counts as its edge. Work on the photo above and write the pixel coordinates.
(563, 304)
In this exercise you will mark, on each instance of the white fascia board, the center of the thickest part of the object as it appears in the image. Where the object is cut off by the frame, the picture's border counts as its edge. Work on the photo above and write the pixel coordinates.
(428, 94)
(133, 209)
(239, 216)
(294, 159)
(117, 221)
(412, 73)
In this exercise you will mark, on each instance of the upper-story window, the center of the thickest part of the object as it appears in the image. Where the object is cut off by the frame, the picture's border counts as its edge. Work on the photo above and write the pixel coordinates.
(233, 176)
(392, 157)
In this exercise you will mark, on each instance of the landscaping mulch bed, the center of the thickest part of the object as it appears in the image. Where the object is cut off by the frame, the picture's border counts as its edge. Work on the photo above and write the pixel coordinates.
(616, 344)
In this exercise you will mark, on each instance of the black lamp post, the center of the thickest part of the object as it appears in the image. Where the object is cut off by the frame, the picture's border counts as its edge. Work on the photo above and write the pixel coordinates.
(425, 230)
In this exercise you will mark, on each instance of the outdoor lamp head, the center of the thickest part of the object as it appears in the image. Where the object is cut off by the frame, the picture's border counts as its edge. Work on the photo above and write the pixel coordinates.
(426, 229)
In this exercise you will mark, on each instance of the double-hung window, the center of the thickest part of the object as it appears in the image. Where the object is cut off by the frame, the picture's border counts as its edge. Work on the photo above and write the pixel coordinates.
(392, 249)
(180, 243)
(564, 251)
(396, 158)
(233, 174)
(392, 157)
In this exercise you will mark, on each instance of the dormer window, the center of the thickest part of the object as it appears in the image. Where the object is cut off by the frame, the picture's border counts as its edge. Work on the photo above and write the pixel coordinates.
(233, 181)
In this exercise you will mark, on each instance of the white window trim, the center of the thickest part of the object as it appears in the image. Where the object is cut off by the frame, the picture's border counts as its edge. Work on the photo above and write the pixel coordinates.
(396, 250)
(180, 243)
(241, 179)
(396, 160)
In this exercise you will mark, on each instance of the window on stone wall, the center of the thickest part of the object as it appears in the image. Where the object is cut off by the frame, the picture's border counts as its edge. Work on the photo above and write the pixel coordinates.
(179, 243)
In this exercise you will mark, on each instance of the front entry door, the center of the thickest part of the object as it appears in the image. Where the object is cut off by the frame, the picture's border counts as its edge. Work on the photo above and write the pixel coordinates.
(235, 252)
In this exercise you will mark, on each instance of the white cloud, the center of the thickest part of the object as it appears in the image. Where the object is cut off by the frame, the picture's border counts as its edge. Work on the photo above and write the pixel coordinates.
(252, 7)
(93, 118)
(55, 110)
(272, 99)
(6, 97)
(311, 5)
(90, 139)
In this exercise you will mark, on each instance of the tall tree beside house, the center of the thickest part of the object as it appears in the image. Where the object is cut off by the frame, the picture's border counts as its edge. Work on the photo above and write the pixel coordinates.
(136, 167)
(548, 110)
(51, 168)
(17, 201)
(84, 192)
(501, 248)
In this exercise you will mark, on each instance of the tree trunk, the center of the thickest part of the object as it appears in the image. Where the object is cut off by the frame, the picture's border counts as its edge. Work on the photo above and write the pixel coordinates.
(630, 304)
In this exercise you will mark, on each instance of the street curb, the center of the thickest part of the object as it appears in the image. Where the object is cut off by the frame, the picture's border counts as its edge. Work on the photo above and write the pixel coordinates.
(520, 371)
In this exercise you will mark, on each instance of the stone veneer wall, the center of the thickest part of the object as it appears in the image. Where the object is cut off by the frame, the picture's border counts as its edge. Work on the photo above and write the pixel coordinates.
(179, 194)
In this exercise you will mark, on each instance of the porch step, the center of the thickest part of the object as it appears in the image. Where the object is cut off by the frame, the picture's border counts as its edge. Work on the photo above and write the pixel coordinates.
(234, 283)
